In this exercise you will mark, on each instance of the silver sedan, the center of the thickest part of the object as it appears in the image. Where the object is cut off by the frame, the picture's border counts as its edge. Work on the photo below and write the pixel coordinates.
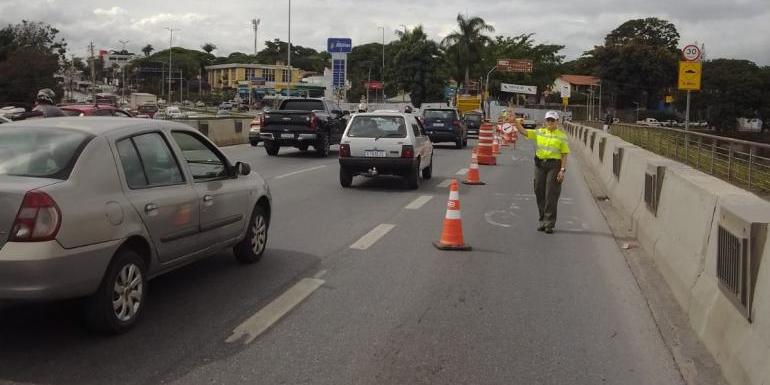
(95, 207)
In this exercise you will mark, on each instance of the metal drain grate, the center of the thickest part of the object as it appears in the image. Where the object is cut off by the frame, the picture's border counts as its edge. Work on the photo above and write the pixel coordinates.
(732, 258)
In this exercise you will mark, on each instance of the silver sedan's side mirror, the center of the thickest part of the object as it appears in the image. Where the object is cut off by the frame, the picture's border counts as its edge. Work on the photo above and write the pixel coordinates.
(242, 168)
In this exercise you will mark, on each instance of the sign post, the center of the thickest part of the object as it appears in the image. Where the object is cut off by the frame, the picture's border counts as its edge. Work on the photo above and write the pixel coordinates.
(690, 69)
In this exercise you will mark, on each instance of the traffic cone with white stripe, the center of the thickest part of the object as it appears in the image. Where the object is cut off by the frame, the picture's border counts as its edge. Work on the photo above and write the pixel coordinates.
(495, 146)
(473, 177)
(452, 234)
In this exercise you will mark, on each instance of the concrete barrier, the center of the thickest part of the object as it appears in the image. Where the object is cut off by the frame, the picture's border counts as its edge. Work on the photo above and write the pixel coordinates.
(222, 131)
(682, 235)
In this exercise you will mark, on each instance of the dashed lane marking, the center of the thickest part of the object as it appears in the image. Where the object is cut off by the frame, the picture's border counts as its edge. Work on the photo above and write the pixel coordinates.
(250, 329)
(462, 171)
(419, 202)
(445, 183)
(300, 171)
(372, 237)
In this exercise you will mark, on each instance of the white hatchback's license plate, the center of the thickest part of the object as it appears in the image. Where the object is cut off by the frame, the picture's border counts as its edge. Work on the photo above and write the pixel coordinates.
(438, 124)
(374, 154)
(287, 136)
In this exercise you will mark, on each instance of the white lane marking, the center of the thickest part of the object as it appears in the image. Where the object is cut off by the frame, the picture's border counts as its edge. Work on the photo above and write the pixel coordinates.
(373, 236)
(320, 274)
(445, 183)
(462, 171)
(300, 172)
(490, 215)
(274, 311)
(419, 202)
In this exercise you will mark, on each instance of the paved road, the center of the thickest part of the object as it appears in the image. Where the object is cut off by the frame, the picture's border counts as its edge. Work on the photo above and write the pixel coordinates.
(522, 308)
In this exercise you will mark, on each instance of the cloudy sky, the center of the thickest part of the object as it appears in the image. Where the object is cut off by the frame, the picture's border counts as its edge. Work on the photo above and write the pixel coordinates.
(729, 28)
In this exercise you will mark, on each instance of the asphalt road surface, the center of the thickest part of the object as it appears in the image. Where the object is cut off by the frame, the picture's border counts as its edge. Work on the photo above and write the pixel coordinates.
(351, 291)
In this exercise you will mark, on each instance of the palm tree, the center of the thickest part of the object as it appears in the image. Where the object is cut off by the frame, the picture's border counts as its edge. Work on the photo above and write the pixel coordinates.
(468, 41)
(148, 49)
(208, 47)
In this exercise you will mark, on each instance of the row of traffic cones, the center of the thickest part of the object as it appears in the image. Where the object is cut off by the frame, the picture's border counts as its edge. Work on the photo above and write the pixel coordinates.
(488, 149)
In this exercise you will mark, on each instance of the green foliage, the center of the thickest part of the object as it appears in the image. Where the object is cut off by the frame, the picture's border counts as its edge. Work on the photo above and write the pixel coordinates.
(547, 63)
(360, 60)
(148, 50)
(730, 89)
(465, 46)
(208, 47)
(638, 61)
(416, 67)
(304, 58)
(30, 56)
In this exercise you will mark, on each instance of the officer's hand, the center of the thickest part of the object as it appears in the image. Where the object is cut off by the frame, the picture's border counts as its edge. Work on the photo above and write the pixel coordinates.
(560, 176)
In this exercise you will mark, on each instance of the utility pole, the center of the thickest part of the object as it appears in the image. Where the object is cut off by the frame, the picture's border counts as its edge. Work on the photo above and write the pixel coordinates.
(123, 71)
(255, 23)
(382, 75)
(170, 42)
(288, 48)
(93, 71)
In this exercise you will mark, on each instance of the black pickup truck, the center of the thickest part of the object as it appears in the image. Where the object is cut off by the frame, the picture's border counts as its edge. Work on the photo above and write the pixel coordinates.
(303, 122)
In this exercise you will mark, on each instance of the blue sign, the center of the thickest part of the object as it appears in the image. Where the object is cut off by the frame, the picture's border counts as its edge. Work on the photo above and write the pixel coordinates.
(339, 45)
(338, 73)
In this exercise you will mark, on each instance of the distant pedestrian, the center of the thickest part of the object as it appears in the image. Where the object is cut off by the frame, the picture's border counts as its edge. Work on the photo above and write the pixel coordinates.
(550, 167)
(607, 122)
(45, 103)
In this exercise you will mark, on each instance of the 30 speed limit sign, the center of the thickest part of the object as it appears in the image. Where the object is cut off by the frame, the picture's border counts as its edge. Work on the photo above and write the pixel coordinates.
(691, 52)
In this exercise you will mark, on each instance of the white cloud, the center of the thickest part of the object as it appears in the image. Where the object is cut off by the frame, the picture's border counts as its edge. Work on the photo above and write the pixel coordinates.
(114, 11)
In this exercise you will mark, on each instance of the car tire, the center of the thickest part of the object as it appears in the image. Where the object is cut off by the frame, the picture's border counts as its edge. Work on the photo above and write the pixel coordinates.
(254, 143)
(272, 148)
(252, 247)
(465, 142)
(125, 279)
(303, 147)
(346, 177)
(458, 143)
(413, 178)
(322, 146)
(427, 172)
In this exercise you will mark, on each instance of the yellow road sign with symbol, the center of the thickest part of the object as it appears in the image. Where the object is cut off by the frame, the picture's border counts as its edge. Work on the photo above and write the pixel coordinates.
(689, 75)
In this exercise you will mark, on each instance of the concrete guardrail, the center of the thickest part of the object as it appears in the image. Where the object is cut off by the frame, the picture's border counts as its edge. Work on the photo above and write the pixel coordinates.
(708, 239)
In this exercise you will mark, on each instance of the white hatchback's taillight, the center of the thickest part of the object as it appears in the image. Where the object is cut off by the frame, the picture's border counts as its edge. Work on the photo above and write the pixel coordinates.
(38, 219)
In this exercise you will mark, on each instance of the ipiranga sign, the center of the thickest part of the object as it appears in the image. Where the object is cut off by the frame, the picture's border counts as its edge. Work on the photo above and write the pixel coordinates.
(518, 89)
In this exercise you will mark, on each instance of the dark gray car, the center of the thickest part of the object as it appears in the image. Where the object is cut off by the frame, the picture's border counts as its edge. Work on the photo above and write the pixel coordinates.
(94, 207)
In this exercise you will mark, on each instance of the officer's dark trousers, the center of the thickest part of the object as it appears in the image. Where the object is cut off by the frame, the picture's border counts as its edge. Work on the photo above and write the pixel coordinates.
(547, 190)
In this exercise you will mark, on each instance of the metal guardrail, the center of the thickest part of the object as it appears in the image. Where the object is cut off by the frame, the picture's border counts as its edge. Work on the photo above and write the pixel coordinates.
(742, 163)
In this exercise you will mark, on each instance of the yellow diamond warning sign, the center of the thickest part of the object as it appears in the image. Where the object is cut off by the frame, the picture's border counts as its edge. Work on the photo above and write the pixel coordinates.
(689, 75)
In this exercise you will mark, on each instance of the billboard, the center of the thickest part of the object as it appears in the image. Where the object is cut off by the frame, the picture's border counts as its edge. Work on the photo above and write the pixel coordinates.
(518, 89)
(339, 45)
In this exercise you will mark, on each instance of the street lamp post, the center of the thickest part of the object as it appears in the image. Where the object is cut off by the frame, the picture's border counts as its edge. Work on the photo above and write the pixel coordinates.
(288, 48)
(170, 42)
(486, 91)
(382, 75)
(255, 24)
(123, 71)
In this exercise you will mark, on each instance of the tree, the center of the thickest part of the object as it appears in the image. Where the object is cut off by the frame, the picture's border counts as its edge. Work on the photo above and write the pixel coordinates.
(361, 59)
(638, 61)
(148, 50)
(466, 44)
(730, 89)
(415, 68)
(307, 59)
(30, 56)
(546, 60)
(208, 47)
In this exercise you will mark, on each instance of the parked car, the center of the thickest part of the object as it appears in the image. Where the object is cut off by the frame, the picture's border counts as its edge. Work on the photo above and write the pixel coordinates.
(95, 207)
(173, 112)
(650, 122)
(445, 125)
(473, 121)
(94, 110)
(302, 122)
(226, 106)
(200, 104)
(385, 144)
(17, 112)
(147, 110)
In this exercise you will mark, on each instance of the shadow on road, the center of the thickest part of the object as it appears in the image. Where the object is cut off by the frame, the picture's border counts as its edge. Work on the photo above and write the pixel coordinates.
(189, 314)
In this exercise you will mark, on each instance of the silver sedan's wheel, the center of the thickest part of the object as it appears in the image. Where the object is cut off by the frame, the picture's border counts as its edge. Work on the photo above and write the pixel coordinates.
(118, 303)
(259, 237)
(253, 245)
(127, 293)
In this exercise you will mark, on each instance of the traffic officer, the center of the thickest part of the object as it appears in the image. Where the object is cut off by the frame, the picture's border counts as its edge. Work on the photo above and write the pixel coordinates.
(550, 166)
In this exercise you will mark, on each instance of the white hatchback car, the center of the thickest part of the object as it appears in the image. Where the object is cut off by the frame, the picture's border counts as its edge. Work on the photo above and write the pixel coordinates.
(385, 143)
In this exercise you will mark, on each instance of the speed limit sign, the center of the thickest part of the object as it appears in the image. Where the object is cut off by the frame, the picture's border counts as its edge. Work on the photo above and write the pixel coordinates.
(691, 52)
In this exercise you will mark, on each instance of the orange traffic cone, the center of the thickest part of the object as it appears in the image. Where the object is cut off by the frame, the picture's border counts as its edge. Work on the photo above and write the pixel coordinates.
(472, 177)
(452, 234)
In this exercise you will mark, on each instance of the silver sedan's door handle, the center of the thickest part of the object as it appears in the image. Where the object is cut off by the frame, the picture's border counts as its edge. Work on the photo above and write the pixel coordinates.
(150, 208)
(208, 198)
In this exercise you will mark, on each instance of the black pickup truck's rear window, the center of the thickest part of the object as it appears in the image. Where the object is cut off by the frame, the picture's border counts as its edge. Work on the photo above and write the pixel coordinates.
(303, 105)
